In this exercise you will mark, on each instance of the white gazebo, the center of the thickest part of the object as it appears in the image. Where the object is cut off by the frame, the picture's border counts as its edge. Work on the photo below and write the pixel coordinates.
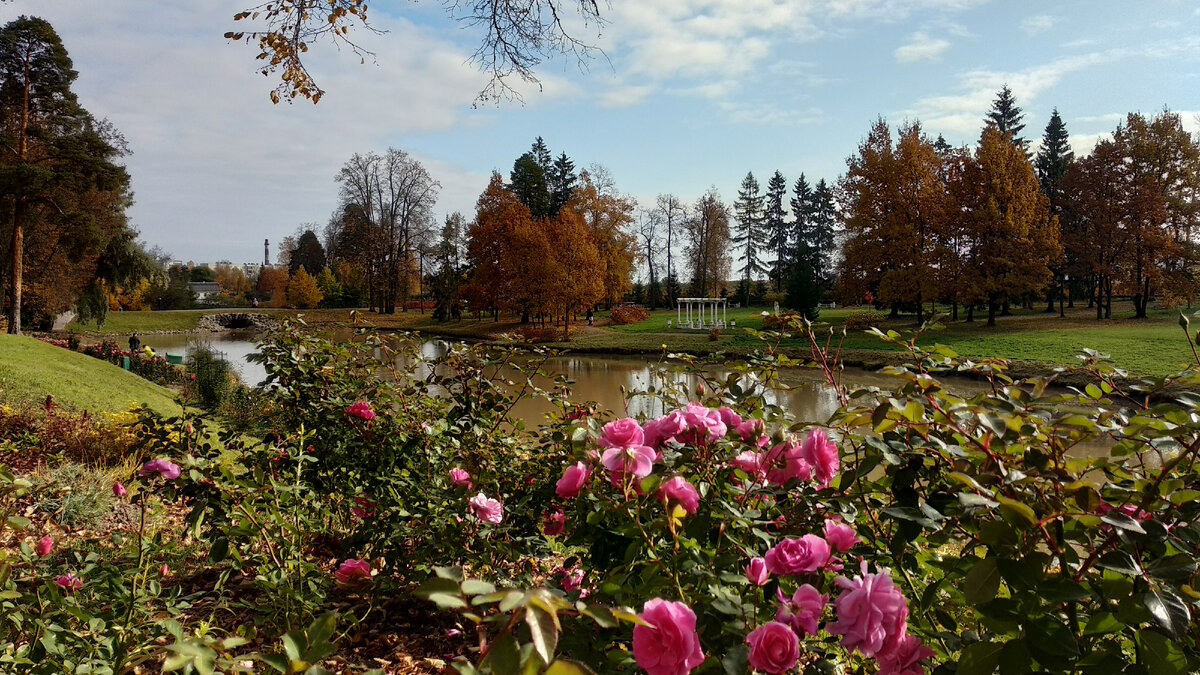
(701, 313)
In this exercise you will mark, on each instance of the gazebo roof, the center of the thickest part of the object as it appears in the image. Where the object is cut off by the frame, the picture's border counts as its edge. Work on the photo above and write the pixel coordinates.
(701, 299)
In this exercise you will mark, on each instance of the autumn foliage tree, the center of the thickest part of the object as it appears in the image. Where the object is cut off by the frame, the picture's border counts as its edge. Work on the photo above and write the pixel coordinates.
(302, 290)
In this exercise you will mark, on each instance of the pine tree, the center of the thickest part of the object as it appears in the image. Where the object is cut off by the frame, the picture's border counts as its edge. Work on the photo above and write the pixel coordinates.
(778, 232)
(750, 236)
(942, 147)
(802, 209)
(541, 154)
(1006, 117)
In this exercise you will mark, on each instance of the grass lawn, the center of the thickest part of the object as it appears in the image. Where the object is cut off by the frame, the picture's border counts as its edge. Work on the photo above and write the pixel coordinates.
(30, 370)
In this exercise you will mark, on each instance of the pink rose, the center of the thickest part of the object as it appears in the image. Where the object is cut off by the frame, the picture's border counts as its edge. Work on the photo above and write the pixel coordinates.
(872, 614)
(803, 610)
(822, 454)
(906, 658)
(69, 582)
(752, 463)
(487, 510)
(729, 418)
(361, 410)
(703, 425)
(164, 571)
(756, 572)
(554, 523)
(573, 479)
(681, 492)
(752, 429)
(572, 579)
(352, 572)
(664, 429)
(669, 645)
(796, 556)
(840, 536)
(118, 490)
(44, 546)
(637, 460)
(461, 478)
(786, 462)
(774, 648)
(623, 433)
(162, 467)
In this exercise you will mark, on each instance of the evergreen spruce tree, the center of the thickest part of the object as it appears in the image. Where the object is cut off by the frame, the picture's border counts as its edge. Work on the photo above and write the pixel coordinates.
(1006, 116)
(802, 209)
(1053, 160)
(528, 182)
(541, 154)
(750, 236)
(778, 233)
(803, 285)
(561, 179)
(821, 238)
(942, 147)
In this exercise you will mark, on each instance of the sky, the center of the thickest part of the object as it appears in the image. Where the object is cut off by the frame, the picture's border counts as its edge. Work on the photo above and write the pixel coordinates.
(686, 95)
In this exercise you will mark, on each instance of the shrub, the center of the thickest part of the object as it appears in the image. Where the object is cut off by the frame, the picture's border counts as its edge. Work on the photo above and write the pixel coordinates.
(714, 334)
(864, 319)
(627, 314)
(789, 319)
(73, 342)
(211, 375)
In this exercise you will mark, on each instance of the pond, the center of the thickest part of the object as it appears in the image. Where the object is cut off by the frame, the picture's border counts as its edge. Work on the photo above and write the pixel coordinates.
(603, 379)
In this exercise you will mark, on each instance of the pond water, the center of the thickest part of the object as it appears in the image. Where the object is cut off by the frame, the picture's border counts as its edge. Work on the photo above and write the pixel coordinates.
(603, 379)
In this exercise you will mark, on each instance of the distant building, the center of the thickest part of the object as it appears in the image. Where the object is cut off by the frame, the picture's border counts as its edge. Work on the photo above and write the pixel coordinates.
(251, 270)
(204, 290)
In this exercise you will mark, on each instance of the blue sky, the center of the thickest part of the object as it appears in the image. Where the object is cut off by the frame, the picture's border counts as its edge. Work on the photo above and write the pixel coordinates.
(690, 94)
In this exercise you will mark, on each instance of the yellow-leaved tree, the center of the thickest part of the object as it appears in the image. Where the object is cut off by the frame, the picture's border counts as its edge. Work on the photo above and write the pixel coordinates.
(302, 291)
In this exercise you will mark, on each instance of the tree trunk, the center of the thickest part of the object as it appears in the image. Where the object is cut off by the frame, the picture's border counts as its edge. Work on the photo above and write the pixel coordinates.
(992, 303)
(954, 311)
(18, 247)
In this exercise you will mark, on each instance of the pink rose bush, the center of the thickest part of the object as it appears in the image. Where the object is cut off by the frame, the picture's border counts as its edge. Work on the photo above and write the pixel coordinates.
(695, 454)
(69, 582)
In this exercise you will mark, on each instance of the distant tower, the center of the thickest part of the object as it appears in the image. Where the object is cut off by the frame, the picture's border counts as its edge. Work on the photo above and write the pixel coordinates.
(266, 252)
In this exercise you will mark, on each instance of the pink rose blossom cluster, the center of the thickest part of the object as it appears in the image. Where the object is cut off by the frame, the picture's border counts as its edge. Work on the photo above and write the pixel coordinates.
(461, 478)
(871, 613)
(815, 458)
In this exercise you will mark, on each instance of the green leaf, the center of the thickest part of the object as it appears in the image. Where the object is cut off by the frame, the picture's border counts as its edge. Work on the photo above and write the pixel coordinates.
(219, 550)
(562, 667)
(1049, 637)
(971, 500)
(1014, 658)
(1122, 521)
(317, 636)
(18, 523)
(1175, 567)
(278, 662)
(542, 631)
(1102, 623)
(451, 573)
(1016, 510)
(1169, 611)
(982, 582)
(1060, 589)
(477, 587)
(1162, 656)
(504, 656)
(1120, 562)
(736, 660)
(980, 658)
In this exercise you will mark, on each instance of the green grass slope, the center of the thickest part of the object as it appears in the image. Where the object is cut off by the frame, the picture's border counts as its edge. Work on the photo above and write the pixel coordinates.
(30, 370)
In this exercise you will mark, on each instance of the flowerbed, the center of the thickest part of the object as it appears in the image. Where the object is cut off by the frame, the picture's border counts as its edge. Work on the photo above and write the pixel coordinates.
(153, 368)
(917, 530)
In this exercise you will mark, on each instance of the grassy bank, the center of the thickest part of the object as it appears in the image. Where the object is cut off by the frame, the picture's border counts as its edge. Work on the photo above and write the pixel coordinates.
(30, 370)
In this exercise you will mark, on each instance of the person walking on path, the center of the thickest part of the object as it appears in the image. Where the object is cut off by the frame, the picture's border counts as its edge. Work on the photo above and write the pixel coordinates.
(135, 343)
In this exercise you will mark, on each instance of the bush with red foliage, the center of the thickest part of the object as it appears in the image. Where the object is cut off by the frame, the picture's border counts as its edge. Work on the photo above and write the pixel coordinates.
(627, 314)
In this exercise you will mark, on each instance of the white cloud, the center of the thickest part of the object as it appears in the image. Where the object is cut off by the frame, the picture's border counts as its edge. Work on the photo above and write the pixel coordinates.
(920, 47)
(1083, 144)
(625, 96)
(1037, 24)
